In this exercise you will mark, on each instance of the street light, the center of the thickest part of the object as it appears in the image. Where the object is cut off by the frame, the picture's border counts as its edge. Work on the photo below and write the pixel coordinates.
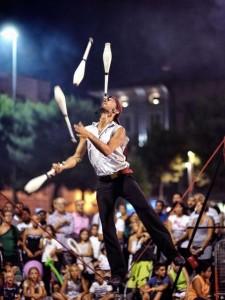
(10, 33)
(189, 165)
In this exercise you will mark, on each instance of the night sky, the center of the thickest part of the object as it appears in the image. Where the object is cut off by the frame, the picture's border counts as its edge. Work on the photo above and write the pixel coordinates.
(152, 41)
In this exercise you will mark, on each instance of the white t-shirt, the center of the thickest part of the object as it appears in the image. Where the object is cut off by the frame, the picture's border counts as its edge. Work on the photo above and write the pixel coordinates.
(103, 262)
(102, 164)
(49, 246)
(120, 226)
(179, 225)
(95, 246)
(100, 290)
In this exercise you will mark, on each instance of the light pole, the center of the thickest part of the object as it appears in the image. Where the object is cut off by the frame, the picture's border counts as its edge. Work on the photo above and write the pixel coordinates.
(189, 165)
(10, 33)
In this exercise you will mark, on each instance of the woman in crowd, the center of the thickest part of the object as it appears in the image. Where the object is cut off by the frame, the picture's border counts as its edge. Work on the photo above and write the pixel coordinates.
(199, 288)
(31, 240)
(9, 237)
(177, 225)
(85, 253)
(201, 245)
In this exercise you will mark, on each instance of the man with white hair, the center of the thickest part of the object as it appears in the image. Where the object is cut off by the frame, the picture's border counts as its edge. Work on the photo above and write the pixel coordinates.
(61, 220)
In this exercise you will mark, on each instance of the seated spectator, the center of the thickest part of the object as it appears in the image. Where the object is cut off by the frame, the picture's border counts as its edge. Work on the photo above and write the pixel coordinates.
(9, 238)
(95, 243)
(100, 289)
(200, 284)
(33, 286)
(182, 282)
(159, 209)
(25, 220)
(74, 285)
(80, 220)
(31, 240)
(10, 290)
(157, 286)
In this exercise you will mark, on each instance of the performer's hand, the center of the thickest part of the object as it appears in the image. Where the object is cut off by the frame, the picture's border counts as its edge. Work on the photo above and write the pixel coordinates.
(81, 131)
(58, 167)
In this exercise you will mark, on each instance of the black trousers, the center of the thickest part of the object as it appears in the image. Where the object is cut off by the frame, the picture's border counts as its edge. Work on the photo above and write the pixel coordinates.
(108, 190)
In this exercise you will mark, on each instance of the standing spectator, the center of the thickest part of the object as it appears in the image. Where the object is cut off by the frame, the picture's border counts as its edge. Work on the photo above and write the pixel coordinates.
(50, 250)
(159, 209)
(9, 237)
(80, 220)
(61, 220)
(178, 223)
(122, 212)
(33, 286)
(85, 252)
(31, 240)
(201, 245)
(42, 215)
(95, 243)
(200, 285)
(177, 197)
(25, 220)
(18, 211)
(191, 203)
(96, 219)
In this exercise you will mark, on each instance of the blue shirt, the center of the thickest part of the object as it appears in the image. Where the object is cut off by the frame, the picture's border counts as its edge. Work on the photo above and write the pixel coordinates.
(155, 281)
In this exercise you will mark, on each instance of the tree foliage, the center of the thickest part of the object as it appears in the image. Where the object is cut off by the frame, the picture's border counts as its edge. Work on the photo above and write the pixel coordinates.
(34, 135)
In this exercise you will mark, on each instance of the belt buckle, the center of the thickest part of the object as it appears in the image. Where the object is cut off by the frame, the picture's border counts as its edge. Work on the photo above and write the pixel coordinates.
(114, 175)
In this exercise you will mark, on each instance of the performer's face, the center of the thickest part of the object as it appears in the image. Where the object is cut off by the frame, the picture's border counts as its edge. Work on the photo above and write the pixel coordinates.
(109, 104)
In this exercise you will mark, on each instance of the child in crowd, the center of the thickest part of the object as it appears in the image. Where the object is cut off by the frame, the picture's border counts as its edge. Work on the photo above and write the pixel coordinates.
(103, 263)
(100, 288)
(95, 243)
(74, 287)
(33, 286)
(157, 286)
(10, 290)
(182, 282)
(50, 250)
(200, 285)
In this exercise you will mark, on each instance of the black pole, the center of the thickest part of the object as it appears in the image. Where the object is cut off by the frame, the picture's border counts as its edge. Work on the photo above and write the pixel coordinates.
(200, 216)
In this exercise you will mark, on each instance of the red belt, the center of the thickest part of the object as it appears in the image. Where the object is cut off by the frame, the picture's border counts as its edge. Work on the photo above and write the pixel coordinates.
(125, 171)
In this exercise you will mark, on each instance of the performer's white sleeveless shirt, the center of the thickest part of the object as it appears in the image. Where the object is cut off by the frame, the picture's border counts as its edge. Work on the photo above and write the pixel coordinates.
(102, 164)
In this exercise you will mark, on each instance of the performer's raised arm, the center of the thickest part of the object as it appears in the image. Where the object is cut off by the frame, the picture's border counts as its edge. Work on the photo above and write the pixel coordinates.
(73, 160)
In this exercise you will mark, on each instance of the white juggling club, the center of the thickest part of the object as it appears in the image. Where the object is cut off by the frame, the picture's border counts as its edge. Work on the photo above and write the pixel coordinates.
(35, 183)
(61, 101)
(79, 72)
(107, 58)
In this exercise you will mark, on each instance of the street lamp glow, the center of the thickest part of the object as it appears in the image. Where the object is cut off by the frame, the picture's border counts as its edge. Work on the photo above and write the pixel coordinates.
(10, 33)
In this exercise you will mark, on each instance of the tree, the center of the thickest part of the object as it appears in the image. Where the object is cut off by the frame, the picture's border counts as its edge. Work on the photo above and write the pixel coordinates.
(33, 135)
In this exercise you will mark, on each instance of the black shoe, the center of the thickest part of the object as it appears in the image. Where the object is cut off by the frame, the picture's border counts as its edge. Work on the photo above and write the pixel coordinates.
(179, 260)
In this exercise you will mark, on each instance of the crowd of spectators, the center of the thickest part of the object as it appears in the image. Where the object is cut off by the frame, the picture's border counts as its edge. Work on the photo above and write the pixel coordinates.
(38, 263)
